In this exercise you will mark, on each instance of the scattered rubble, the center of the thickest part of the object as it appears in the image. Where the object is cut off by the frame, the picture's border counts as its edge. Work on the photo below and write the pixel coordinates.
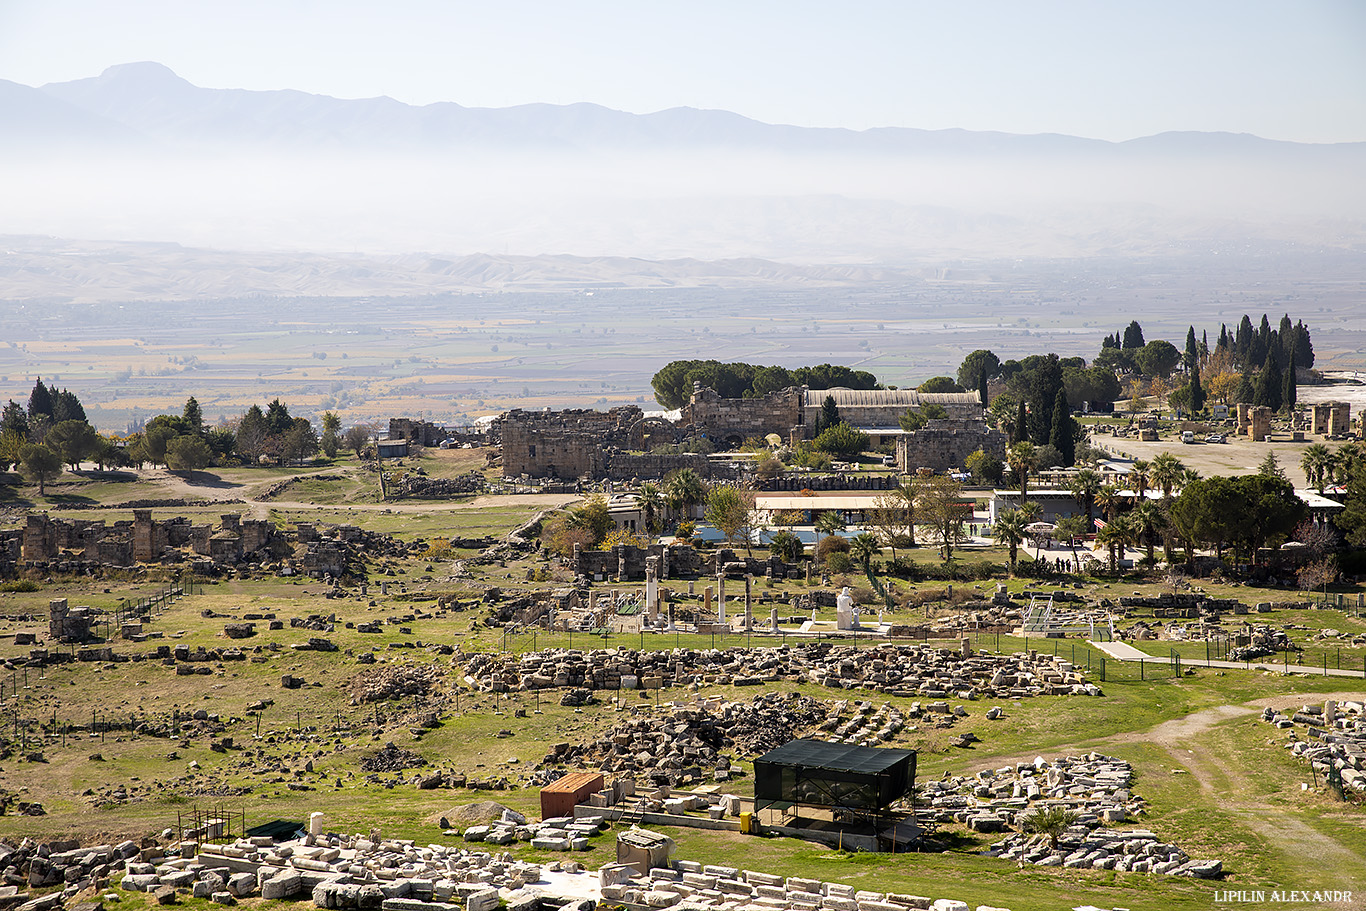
(394, 682)
(1266, 641)
(896, 670)
(1095, 788)
(1340, 729)
(391, 758)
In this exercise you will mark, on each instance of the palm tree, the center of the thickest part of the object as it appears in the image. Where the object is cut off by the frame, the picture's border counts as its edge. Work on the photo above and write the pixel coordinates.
(1347, 460)
(1317, 462)
(1053, 822)
(1084, 488)
(827, 523)
(864, 547)
(1140, 476)
(1108, 499)
(1116, 536)
(1189, 476)
(1166, 473)
(683, 490)
(1010, 531)
(1031, 512)
(649, 500)
(1149, 519)
(1022, 458)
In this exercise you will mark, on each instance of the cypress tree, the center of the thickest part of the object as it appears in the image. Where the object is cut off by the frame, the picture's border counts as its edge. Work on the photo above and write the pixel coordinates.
(1063, 435)
(1290, 392)
(1197, 391)
(1269, 385)
(982, 390)
(1133, 336)
(39, 401)
(1192, 353)
(1020, 432)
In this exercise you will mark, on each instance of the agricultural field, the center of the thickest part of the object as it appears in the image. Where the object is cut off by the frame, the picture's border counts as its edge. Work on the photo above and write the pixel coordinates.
(452, 356)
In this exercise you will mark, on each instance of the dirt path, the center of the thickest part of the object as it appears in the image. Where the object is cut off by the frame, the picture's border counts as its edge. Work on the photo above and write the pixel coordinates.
(200, 487)
(1226, 785)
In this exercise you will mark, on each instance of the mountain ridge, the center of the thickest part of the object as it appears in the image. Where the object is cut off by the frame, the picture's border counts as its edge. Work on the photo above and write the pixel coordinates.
(150, 99)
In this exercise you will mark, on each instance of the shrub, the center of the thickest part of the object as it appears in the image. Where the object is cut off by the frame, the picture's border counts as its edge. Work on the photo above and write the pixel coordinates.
(831, 544)
(841, 439)
(20, 585)
(838, 562)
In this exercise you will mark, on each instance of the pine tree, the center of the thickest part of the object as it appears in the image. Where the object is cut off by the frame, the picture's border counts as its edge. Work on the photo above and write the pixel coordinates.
(193, 416)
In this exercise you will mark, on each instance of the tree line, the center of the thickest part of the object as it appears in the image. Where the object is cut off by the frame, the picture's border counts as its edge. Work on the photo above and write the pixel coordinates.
(674, 382)
(52, 431)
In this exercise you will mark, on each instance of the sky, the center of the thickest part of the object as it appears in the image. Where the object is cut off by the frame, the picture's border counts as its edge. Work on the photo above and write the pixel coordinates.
(1104, 70)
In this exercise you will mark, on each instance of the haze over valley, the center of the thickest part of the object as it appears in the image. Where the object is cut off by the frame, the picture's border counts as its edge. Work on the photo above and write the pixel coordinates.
(377, 257)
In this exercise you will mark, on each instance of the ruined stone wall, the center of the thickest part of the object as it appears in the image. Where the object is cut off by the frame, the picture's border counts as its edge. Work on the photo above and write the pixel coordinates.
(11, 551)
(566, 444)
(734, 420)
(625, 466)
(1331, 418)
(861, 480)
(946, 445)
(626, 563)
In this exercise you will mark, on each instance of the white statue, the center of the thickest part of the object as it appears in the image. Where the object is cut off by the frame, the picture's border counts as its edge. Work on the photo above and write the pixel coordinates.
(845, 616)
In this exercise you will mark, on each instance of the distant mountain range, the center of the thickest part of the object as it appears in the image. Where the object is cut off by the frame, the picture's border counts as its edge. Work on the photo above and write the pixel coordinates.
(146, 105)
(140, 154)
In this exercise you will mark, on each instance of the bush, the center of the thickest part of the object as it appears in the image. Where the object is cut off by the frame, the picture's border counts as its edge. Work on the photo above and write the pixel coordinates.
(831, 544)
(954, 571)
(814, 459)
(21, 585)
(838, 562)
(841, 439)
(786, 545)
(768, 466)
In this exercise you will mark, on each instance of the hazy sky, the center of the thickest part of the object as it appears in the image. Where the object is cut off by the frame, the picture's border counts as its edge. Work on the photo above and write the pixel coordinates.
(1109, 70)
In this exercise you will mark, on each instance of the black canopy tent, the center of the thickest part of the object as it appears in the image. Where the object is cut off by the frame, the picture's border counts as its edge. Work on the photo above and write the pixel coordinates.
(853, 781)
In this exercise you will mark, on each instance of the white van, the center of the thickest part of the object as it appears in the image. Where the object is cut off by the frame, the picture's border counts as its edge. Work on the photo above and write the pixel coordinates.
(1188, 436)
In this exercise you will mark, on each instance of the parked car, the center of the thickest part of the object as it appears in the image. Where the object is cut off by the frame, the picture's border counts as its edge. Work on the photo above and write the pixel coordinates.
(1215, 438)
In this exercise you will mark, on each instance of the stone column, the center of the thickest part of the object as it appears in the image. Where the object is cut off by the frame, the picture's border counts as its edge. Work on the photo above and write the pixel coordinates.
(706, 601)
(721, 597)
(749, 601)
(773, 618)
(652, 588)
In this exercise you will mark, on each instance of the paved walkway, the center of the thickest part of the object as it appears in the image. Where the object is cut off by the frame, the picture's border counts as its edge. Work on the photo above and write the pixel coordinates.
(1121, 650)
(1125, 652)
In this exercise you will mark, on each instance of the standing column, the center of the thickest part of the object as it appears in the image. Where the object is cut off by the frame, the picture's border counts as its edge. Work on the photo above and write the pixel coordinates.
(749, 601)
(652, 588)
(721, 597)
